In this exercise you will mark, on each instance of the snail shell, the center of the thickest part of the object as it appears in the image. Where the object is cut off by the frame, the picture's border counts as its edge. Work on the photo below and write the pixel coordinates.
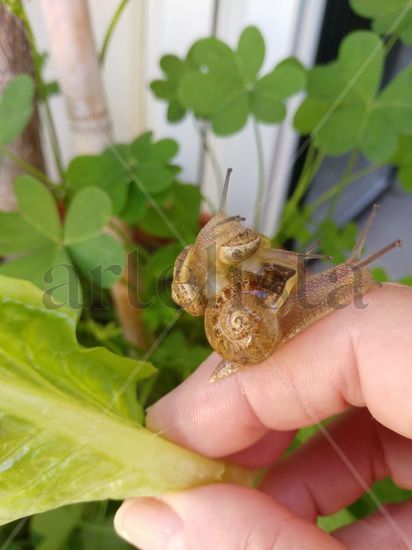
(241, 321)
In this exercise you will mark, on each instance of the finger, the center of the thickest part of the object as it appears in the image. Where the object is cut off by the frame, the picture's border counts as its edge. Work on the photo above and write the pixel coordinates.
(353, 356)
(316, 480)
(216, 516)
(264, 452)
(378, 532)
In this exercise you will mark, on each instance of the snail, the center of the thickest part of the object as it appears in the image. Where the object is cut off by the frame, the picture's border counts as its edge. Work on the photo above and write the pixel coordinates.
(254, 297)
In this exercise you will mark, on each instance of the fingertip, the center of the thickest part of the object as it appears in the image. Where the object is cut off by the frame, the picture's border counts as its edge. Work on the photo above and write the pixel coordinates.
(149, 524)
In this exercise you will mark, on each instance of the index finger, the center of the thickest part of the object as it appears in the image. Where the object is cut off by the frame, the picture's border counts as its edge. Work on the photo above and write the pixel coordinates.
(352, 357)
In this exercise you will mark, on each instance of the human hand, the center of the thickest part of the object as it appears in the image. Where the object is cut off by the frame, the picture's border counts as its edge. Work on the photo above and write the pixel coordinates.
(357, 361)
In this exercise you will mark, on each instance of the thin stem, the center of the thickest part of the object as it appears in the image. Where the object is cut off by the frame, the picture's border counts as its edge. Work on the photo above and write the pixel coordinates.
(110, 30)
(340, 186)
(54, 141)
(27, 167)
(312, 164)
(261, 174)
(334, 190)
(210, 153)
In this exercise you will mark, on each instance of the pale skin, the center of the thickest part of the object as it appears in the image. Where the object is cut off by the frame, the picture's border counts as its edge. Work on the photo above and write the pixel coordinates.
(357, 362)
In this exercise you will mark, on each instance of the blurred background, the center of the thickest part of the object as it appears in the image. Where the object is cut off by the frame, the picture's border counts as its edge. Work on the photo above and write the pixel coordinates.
(308, 29)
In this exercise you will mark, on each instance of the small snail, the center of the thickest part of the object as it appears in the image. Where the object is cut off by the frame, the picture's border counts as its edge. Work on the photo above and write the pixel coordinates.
(254, 297)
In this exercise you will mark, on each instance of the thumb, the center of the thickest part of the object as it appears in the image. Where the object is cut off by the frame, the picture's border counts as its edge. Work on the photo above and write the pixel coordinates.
(217, 516)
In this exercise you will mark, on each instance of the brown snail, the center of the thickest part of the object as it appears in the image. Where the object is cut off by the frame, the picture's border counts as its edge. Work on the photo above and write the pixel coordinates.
(254, 297)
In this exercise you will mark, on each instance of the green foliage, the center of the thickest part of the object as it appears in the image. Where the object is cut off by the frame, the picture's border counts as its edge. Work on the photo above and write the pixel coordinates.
(178, 215)
(16, 108)
(394, 17)
(70, 418)
(385, 491)
(55, 527)
(344, 109)
(129, 174)
(334, 521)
(174, 69)
(402, 158)
(44, 89)
(338, 242)
(50, 253)
(223, 85)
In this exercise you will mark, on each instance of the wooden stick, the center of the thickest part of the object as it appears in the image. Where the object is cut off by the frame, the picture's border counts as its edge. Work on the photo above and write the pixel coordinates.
(15, 58)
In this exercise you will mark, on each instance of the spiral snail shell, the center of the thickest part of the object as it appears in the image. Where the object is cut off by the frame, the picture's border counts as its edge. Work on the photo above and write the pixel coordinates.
(241, 321)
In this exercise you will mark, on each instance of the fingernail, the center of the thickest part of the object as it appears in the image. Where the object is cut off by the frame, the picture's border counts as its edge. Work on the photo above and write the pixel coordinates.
(150, 524)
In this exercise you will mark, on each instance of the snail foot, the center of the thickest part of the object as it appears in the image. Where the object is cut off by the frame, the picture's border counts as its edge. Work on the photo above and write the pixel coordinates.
(224, 369)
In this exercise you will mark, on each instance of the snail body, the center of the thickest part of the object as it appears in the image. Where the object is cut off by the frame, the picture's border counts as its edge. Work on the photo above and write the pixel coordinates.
(254, 297)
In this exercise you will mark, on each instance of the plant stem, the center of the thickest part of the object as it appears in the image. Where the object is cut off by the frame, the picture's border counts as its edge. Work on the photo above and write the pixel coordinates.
(210, 153)
(27, 167)
(334, 190)
(312, 164)
(110, 30)
(340, 186)
(261, 174)
(54, 141)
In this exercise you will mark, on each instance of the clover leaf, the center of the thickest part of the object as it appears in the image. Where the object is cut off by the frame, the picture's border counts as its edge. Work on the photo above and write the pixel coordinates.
(128, 173)
(174, 70)
(224, 86)
(16, 107)
(227, 89)
(49, 253)
(393, 17)
(402, 158)
(344, 109)
(178, 216)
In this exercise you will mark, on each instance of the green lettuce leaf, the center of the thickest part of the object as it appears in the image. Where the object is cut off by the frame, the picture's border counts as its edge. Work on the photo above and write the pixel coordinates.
(70, 424)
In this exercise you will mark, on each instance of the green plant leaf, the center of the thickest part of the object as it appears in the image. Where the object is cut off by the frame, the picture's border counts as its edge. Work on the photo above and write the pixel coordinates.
(88, 213)
(101, 171)
(16, 235)
(34, 265)
(37, 207)
(406, 280)
(394, 17)
(16, 107)
(101, 259)
(144, 163)
(70, 419)
(181, 212)
(49, 268)
(336, 241)
(250, 53)
(386, 491)
(55, 526)
(136, 205)
(344, 109)
(402, 158)
(174, 70)
(379, 275)
(335, 521)
(224, 86)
